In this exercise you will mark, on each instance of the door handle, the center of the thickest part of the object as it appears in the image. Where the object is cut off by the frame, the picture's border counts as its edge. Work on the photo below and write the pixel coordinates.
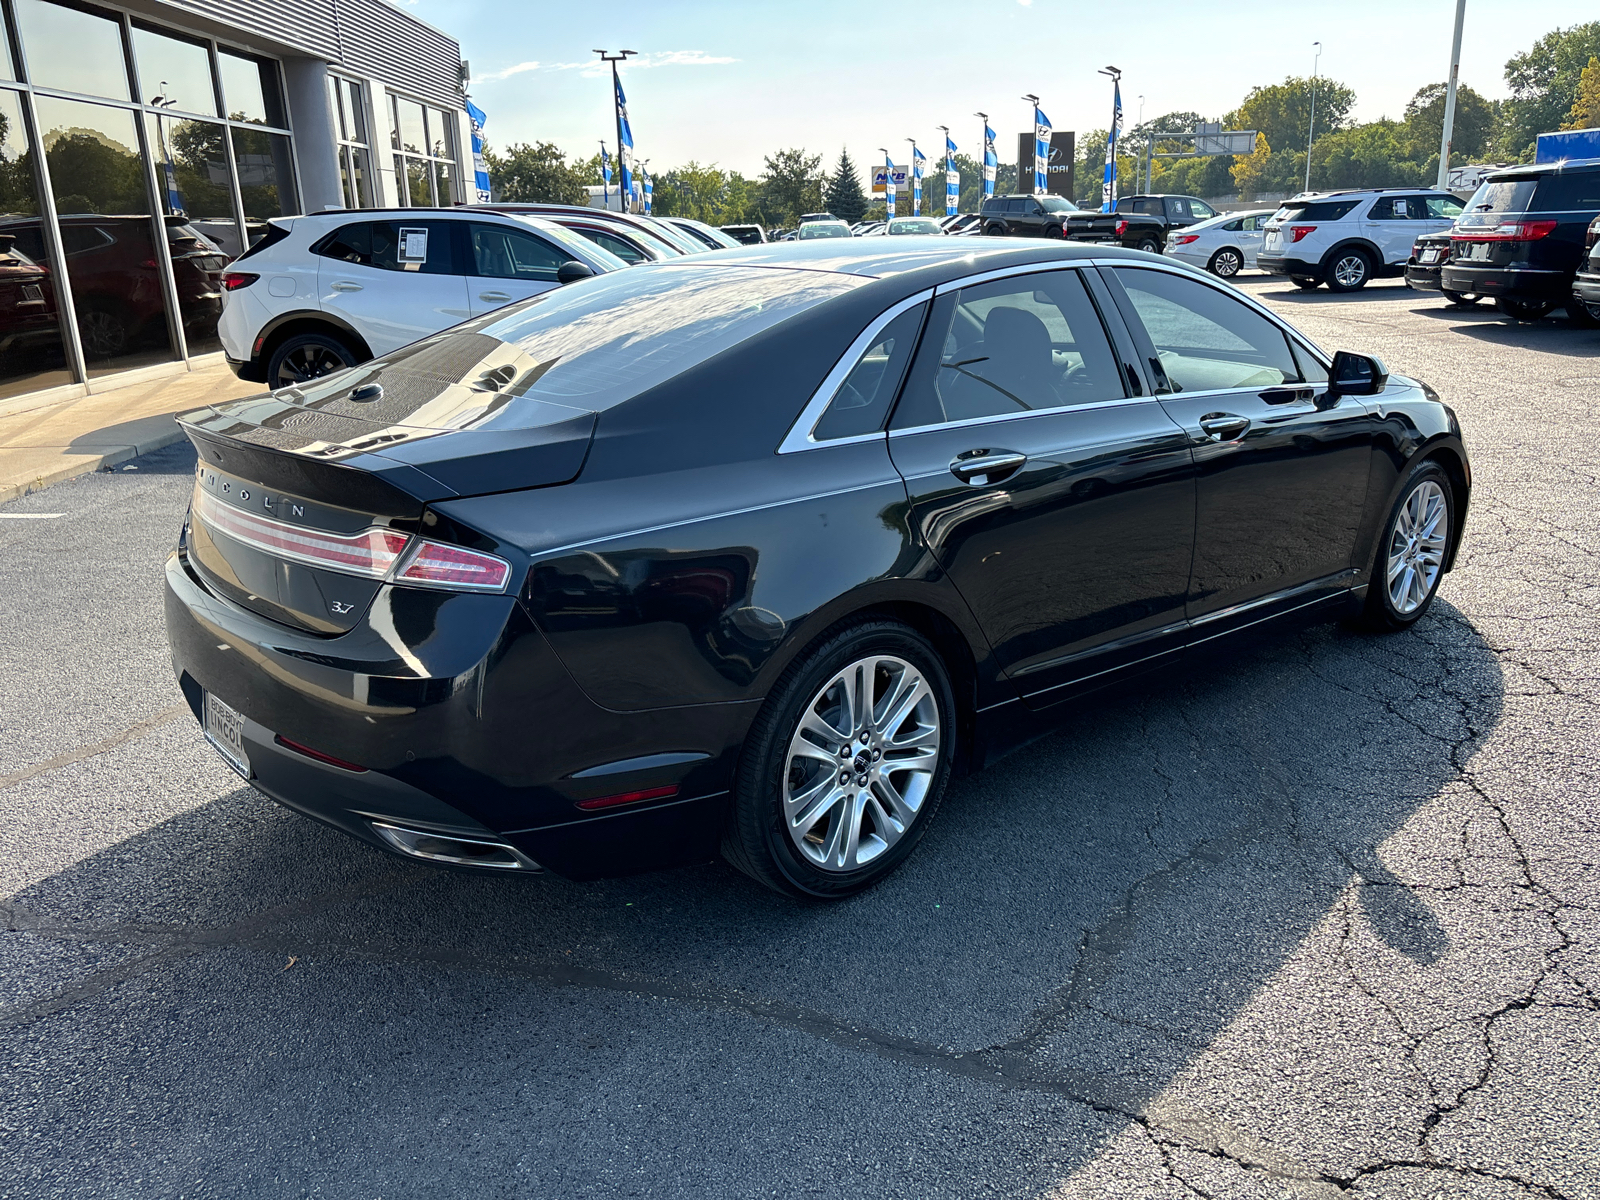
(1224, 427)
(1288, 395)
(345, 285)
(494, 296)
(983, 467)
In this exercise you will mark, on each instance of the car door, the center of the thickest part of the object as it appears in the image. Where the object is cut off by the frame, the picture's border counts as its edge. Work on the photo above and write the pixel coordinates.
(1249, 237)
(1178, 214)
(1059, 501)
(1439, 214)
(1392, 225)
(1282, 463)
(393, 281)
(509, 264)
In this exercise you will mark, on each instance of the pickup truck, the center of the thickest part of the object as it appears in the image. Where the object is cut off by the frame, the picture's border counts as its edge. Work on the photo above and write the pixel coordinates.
(1058, 217)
(1173, 212)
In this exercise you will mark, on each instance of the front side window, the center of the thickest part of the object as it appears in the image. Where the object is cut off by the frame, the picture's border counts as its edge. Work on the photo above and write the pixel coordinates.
(625, 250)
(1201, 209)
(863, 399)
(1443, 208)
(1178, 207)
(1205, 340)
(504, 253)
(1019, 344)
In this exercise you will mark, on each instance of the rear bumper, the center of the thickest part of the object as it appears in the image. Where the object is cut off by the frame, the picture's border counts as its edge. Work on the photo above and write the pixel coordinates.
(1520, 283)
(474, 731)
(1423, 278)
(252, 371)
(1586, 287)
(1282, 264)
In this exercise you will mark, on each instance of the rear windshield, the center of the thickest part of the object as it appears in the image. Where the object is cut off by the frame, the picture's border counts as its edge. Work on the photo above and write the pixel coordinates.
(1510, 195)
(605, 340)
(1324, 210)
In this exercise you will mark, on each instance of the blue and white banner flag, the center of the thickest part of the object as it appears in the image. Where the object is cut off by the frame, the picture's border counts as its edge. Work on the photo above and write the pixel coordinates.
(605, 164)
(952, 179)
(1041, 150)
(919, 162)
(625, 150)
(480, 169)
(889, 187)
(1108, 189)
(991, 161)
(649, 187)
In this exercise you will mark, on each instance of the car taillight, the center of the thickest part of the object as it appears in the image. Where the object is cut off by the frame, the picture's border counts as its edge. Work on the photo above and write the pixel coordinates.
(1122, 228)
(1593, 236)
(1300, 231)
(1509, 231)
(1185, 239)
(232, 281)
(434, 564)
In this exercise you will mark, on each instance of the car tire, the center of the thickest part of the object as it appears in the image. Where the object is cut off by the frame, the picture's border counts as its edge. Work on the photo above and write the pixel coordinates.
(307, 356)
(1584, 316)
(1149, 245)
(994, 231)
(1409, 562)
(1522, 310)
(1462, 299)
(1348, 270)
(105, 329)
(1307, 285)
(1226, 263)
(812, 821)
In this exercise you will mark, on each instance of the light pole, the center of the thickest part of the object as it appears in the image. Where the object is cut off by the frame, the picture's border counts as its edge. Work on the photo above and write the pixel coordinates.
(949, 166)
(1448, 133)
(983, 160)
(1034, 124)
(605, 183)
(916, 192)
(616, 93)
(888, 183)
(1311, 124)
(1144, 185)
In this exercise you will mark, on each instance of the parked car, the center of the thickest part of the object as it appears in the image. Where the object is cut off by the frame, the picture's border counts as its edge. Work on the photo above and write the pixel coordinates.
(821, 216)
(328, 290)
(730, 554)
(960, 222)
(1174, 212)
(1223, 245)
(29, 320)
(901, 226)
(710, 235)
(872, 228)
(1586, 283)
(629, 236)
(746, 235)
(810, 230)
(1429, 253)
(1347, 239)
(1058, 217)
(1521, 238)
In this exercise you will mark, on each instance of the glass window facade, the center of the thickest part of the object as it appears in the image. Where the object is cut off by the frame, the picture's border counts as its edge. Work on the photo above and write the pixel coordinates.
(424, 143)
(347, 100)
(160, 157)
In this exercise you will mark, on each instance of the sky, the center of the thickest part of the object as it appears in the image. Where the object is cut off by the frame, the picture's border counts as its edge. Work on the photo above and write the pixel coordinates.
(726, 83)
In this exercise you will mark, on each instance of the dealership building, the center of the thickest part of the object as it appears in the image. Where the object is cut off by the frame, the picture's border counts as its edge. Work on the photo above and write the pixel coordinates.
(144, 145)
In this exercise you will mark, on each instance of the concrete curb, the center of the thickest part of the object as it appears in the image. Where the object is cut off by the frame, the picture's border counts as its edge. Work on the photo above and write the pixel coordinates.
(88, 466)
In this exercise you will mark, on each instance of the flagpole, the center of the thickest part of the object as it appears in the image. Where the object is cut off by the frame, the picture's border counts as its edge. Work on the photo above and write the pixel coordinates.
(1108, 188)
(616, 90)
(605, 184)
(983, 181)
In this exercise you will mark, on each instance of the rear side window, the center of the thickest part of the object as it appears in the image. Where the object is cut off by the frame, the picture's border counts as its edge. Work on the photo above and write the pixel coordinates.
(1568, 191)
(1206, 340)
(863, 399)
(626, 251)
(1020, 344)
(1322, 210)
(1017, 205)
(505, 253)
(1399, 208)
(423, 247)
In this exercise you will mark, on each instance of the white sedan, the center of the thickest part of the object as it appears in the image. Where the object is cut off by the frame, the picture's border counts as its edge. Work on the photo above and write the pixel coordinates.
(1223, 245)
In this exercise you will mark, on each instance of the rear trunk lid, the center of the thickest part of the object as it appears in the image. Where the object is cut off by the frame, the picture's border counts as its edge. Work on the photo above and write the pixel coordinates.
(306, 499)
(1092, 226)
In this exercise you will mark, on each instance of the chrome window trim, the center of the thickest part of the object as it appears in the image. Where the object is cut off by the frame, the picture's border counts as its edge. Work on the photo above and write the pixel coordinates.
(799, 436)
(996, 418)
(955, 285)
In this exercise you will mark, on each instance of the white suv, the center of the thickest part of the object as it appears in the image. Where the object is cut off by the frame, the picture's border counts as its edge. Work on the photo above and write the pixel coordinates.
(1344, 239)
(323, 292)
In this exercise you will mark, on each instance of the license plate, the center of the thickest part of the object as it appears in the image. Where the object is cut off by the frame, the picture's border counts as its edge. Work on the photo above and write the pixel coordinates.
(1431, 256)
(225, 731)
(1477, 251)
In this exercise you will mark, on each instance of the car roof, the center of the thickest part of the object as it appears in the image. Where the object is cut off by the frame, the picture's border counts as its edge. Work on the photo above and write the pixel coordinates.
(940, 257)
(1534, 170)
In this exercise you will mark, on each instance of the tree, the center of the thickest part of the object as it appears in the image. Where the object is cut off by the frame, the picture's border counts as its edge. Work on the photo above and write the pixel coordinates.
(1585, 112)
(1373, 155)
(792, 186)
(1544, 82)
(1249, 171)
(537, 173)
(1283, 111)
(1424, 119)
(843, 196)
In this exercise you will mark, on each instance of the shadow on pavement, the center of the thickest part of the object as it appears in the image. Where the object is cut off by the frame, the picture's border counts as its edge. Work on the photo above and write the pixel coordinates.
(1080, 922)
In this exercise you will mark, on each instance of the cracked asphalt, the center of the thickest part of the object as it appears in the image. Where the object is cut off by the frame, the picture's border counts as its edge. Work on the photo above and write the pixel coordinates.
(1321, 918)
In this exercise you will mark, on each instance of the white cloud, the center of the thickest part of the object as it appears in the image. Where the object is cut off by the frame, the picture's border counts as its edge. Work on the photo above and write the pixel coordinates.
(492, 76)
(1025, 3)
(663, 58)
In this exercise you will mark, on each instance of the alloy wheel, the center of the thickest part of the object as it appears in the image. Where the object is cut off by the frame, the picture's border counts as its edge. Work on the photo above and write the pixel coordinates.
(1350, 271)
(103, 333)
(310, 361)
(861, 763)
(1416, 547)
(1227, 263)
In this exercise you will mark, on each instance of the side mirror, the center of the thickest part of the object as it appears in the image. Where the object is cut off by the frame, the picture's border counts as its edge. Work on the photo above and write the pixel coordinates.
(572, 270)
(1357, 374)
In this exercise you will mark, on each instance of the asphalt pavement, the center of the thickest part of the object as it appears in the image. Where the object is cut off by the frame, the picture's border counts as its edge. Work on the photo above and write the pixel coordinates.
(1320, 919)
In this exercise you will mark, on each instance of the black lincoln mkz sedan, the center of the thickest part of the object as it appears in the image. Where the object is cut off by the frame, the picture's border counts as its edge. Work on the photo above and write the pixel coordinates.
(751, 550)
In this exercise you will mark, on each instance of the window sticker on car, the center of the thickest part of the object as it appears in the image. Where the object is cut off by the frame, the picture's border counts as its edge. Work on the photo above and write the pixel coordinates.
(1400, 209)
(413, 248)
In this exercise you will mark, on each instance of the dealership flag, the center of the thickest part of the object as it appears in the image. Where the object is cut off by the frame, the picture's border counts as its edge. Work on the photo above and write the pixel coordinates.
(918, 165)
(625, 150)
(952, 179)
(990, 161)
(1108, 189)
(648, 188)
(889, 187)
(1041, 149)
(480, 169)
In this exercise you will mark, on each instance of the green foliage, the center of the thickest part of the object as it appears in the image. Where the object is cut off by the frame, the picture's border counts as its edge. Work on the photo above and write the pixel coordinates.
(705, 193)
(1283, 111)
(539, 174)
(1585, 113)
(1544, 83)
(1424, 123)
(793, 186)
(843, 196)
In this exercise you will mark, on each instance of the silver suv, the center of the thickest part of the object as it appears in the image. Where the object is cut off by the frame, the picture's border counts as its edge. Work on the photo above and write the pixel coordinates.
(1344, 239)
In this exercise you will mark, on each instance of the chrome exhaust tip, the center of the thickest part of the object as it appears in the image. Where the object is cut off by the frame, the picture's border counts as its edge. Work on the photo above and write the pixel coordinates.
(432, 846)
